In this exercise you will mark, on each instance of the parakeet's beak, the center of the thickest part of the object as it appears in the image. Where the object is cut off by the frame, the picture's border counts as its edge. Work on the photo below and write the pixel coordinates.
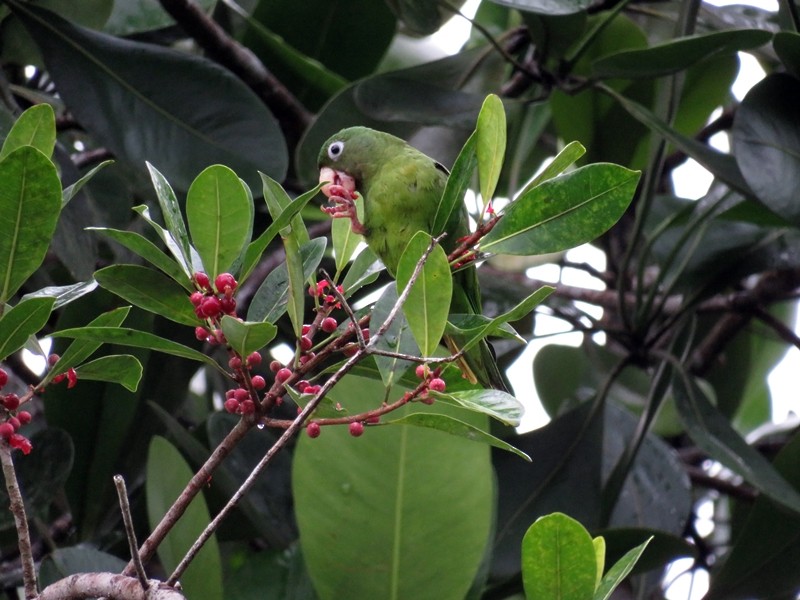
(330, 177)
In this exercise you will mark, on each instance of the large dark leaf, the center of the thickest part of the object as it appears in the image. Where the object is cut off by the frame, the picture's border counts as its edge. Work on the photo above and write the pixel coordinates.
(188, 112)
(766, 141)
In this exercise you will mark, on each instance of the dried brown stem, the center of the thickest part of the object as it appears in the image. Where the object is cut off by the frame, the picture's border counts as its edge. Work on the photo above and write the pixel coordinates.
(127, 519)
(107, 585)
(17, 508)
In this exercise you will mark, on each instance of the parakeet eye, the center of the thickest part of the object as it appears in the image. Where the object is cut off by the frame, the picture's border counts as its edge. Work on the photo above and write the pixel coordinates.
(335, 150)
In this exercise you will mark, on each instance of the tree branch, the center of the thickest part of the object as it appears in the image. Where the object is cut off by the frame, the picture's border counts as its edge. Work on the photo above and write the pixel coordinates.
(17, 507)
(107, 585)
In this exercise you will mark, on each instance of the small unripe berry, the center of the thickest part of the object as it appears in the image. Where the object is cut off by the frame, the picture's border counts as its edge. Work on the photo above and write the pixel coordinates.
(258, 382)
(275, 366)
(3, 378)
(235, 363)
(306, 357)
(254, 359)
(356, 428)
(15, 423)
(196, 298)
(422, 371)
(374, 420)
(437, 385)
(302, 386)
(6, 430)
(313, 389)
(24, 417)
(306, 343)
(312, 429)
(201, 333)
(11, 401)
(225, 283)
(426, 399)
(365, 334)
(350, 350)
(283, 375)
(329, 325)
(201, 279)
(53, 359)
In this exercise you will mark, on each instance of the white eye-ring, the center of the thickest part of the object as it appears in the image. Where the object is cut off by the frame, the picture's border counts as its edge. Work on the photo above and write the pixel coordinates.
(335, 150)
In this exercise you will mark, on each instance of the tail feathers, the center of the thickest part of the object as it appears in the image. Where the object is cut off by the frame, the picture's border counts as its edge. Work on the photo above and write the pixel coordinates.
(479, 365)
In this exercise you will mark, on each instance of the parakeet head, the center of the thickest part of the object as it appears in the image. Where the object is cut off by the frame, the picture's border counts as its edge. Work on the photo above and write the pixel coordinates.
(350, 157)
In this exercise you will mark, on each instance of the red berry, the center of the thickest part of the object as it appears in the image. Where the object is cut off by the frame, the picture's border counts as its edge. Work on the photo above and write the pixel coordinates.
(225, 283)
(201, 333)
(365, 334)
(306, 328)
(241, 394)
(258, 382)
(356, 428)
(275, 366)
(24, 417)
(306, 343)
(219, 336)
(201, 279)
(313, 389)
(302, 386)
(53, 359)
(329, 325)
(11, 401)
(231, 405)
(15, 423)
(248, 407)
(21, 442)
(350, 350)
(196, 298)
(437, 385)
(3, 378)
(228, 305)
(313, 430)
(422, 371)
(235, 363)
(283, 375)
(6, 430)
(211, 307)
(72, 378)
(374, 420)
(254, 359)
(306, 357)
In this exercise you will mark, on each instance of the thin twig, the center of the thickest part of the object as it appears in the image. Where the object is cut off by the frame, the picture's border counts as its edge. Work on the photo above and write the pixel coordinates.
(127, 519)
(17, 507)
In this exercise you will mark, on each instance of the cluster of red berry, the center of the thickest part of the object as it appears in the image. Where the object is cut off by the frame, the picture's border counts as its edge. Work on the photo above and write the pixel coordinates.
(70, 375)
(435, 383)
(14, 419)
(239, 401)
(210, 304)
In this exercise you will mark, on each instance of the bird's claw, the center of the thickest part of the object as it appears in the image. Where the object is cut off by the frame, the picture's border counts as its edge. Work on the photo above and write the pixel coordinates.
(341, 205)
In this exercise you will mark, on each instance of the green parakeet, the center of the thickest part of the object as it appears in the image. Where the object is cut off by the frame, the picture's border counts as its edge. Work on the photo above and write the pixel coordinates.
(401, 188)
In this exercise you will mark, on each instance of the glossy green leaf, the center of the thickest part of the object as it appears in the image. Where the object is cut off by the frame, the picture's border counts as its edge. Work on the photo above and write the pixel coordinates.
(36, 127)
(246, 337)
(296, 290)
(257, 246)
(452, 199)
(278, 201)
(31, 199)
(272, 297)
(64, 294)
(678, 54)
(568, 155)
(143, 247)
(22, 321)
(558, 560)
(150, 290)
(383, 478)
(123, 369)
(70, 191)
(490, 144)
(599, 544)
(173, 220)
(619, 571)
(364, 270)
(131, 81)
(547, 7)
(428, 302)
(220, 216)
(397, 338)
(498, 405)
(766, 142)
(79, 350)
(167, 474)
(564, 212)
(136, 339)
(456, 427)
(787, 46)
(469, 325)
(345, 240)
(713, 433)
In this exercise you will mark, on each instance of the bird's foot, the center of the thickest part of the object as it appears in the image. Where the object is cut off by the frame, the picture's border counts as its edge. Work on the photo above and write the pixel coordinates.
(342, 205)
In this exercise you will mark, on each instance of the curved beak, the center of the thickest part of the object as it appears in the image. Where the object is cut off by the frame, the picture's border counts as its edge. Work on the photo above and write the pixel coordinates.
(330, 177)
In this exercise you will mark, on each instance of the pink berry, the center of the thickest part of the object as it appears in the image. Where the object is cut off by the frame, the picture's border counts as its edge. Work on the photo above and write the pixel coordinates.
(356, 428)
(306, 343)
(275, 366)
(283, 375)
(11, 401)
(196, 298)
(201, 279)
(306, 357)
(201, 333)
(365, 334)
(422, 371)
(228, 305)
(21, 442)
(53, 359)
(374, 420)
(306, 328)
(6, 430)
(426, 399)
(437, 385)
(329, 325)
(24, 417)
(225, 283)
(3, 378)
(254, 359)
(15, 423)
(312, 429)
(313, 389)
(248, 407)
(258, 382)
(302, 386)
(211, 307)
(231, 405)
(241, 394)
(72, 378)
(235, 363)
